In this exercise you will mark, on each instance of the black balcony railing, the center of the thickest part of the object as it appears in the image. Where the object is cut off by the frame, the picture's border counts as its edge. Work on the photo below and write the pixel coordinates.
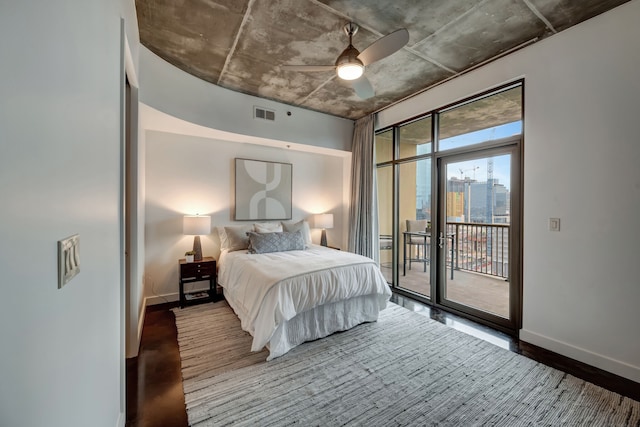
(481, 248)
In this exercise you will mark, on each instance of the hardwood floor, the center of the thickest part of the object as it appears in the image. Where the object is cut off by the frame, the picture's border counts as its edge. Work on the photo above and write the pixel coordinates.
(154, 382)
(155, 397)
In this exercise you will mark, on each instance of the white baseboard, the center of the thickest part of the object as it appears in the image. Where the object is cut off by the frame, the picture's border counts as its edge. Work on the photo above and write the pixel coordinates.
(121, 420)
(580, 354)
(172, 297)
(161, 299)
(141, 314)
(134, 348)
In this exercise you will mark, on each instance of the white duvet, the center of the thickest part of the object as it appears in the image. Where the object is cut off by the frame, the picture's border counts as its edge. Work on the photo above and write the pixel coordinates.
(266, 290)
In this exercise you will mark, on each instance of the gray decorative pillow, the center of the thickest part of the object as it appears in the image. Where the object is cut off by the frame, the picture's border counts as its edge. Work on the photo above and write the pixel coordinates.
(303, 227)
(237, 238)
(262, 243)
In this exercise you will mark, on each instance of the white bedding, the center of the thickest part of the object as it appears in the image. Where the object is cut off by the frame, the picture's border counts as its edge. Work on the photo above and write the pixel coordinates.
(268, 290)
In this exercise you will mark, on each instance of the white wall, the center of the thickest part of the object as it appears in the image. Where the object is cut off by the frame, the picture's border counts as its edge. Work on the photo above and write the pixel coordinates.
(60, 116)
(581, 164)
(192, 174)
(133, 296)
(135, 181)
(174, 92)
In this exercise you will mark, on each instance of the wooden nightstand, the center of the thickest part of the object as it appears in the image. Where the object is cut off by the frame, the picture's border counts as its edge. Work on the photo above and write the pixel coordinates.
(198, 271)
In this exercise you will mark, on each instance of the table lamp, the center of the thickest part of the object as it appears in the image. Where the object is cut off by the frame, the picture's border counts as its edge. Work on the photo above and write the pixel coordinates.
(196, 225)
(324, 221)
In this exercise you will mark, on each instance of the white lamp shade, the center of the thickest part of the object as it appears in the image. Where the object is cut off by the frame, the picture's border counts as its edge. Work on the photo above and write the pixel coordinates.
(324, 220)
(195, 225)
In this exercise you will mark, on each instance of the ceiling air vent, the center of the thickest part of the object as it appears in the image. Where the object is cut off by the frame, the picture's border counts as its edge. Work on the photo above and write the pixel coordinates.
(264, 114)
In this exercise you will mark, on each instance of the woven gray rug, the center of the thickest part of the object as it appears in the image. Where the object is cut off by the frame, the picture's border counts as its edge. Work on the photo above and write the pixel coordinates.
(404, 370)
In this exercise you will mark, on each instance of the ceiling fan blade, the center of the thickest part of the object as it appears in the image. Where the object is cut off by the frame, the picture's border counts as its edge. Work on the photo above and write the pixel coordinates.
(384, 46)
(309, 67)
(362, 87)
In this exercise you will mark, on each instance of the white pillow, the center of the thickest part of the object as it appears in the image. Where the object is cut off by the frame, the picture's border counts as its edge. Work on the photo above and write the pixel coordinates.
(267, 227)
(224, 242)
(232, 237)
(304, 228)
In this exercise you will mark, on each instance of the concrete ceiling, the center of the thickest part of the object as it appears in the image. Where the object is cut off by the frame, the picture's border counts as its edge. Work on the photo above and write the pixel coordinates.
(241, 44)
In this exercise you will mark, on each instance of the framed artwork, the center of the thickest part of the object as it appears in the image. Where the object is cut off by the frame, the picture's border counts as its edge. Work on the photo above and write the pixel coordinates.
(263, 190)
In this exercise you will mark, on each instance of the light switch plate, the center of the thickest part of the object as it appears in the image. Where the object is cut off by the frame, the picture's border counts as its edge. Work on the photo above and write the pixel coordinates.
(68, 259)
(554, 224)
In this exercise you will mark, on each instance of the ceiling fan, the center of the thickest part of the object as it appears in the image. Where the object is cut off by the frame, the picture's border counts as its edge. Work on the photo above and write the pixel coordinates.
(351, 63)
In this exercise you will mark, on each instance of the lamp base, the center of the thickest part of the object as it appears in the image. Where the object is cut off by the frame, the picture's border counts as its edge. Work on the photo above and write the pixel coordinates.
(197, 248)
(323, 238)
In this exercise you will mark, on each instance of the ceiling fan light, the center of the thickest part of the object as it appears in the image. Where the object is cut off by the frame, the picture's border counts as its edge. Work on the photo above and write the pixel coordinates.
(350, 71)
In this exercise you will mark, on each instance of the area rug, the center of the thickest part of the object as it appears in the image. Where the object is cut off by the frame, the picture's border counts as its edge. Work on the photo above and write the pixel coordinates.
(403, 370)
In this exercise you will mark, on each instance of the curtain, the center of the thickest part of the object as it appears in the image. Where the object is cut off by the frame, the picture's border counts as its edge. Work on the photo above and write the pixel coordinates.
(363, 211)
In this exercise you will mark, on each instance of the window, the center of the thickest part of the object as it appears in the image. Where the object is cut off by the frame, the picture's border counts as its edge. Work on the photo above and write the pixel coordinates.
(414, 138)
(384, 147)
(493, 117)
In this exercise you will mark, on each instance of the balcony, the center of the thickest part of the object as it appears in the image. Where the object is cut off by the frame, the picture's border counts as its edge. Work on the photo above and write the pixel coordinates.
(480, 262)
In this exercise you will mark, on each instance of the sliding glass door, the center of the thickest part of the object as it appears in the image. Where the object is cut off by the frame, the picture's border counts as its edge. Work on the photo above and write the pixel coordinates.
(476, 245)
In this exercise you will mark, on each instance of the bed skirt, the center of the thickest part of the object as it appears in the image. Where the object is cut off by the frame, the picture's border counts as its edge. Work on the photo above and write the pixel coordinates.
(324, 320)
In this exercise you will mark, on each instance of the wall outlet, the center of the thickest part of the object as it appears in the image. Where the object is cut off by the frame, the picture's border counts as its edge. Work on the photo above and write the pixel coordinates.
(554, 224)
(68, 259)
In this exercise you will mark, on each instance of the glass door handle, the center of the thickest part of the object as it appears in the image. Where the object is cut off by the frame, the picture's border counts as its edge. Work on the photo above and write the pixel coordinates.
(441, 240)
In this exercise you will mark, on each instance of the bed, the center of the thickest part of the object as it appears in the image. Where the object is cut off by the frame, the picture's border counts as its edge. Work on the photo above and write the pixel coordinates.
(286, 297)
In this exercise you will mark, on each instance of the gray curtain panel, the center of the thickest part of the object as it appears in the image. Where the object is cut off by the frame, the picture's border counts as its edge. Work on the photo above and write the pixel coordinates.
(363, 212)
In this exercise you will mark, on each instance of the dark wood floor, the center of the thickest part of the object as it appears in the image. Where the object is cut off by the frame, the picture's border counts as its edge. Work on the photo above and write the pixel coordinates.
(154, 382)
(155, 397)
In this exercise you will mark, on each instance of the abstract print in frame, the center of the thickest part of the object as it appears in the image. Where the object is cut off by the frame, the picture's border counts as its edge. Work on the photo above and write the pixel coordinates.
(263, 190)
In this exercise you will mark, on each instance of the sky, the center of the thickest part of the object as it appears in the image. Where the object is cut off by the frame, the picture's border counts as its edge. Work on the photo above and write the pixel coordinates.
(477, 169)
